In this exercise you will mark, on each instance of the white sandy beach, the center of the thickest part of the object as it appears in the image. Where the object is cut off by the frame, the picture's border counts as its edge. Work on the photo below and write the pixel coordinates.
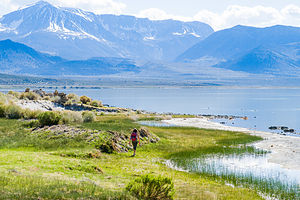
(285, 150)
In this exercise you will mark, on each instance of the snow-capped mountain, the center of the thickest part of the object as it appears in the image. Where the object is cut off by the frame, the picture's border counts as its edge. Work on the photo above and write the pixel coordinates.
(77, 34)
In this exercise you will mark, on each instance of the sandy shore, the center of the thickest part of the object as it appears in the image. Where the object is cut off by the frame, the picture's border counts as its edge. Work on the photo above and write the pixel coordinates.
(285, 150)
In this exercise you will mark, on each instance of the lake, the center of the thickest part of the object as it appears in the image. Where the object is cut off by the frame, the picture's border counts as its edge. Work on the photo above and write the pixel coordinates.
(263, 107)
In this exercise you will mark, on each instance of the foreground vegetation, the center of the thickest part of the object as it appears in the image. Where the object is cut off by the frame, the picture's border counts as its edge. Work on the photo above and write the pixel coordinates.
(31, 168)
(34, 165)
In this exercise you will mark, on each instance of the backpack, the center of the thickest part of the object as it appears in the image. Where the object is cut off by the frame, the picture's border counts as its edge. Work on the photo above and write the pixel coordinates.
(133, 136)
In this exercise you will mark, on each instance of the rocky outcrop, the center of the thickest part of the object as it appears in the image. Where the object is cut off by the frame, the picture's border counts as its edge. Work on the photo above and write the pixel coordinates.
(105, 141)
(42, 105)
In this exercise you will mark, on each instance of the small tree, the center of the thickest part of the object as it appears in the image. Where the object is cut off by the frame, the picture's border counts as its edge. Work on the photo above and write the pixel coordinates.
(96, 103)
(85, 99)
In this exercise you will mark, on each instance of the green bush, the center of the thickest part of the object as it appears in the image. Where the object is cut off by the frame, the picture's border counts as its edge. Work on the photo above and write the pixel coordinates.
(15, 94)
(85, 99)
(96, 103)
(32, 124)
(88, 116)
(104, 144)
(30, 96)
(151, 188)
(2, 110)
(73, 98)
(49, 118)
(31, 114)
(71, 117)
(13, 111)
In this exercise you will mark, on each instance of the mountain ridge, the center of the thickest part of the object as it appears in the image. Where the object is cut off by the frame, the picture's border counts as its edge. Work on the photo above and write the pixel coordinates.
(16, 58)
(90, 35)
(272, 50)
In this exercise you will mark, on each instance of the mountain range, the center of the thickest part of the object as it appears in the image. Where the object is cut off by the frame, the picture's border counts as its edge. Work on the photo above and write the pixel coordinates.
(273, 50)
(76, 34)
(45, 40)
(17, 58)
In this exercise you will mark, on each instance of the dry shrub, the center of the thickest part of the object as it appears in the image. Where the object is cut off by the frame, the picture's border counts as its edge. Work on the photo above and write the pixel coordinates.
(96, 103)
(71, 117)
(88, 116)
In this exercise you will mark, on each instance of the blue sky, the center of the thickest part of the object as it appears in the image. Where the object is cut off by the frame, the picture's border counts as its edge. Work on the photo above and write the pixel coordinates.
(219, 14)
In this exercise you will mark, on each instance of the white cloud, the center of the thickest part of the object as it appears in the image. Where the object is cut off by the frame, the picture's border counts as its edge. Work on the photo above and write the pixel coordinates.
(259, 16)
(96, 6)
(158, 14)
(8, 6)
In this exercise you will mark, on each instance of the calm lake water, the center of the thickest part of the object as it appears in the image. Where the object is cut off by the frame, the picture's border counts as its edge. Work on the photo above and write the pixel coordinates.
(263, 107)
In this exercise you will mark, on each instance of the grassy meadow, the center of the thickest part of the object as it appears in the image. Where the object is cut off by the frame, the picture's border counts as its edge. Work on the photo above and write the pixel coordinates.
(33, 167)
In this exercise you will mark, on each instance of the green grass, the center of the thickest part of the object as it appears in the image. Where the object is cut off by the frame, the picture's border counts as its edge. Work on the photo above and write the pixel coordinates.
(112, 172)
(119, 123)
(15, 186)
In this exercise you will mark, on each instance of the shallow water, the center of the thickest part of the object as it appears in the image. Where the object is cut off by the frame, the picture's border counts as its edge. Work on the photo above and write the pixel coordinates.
(254, 169)
(263, 107)
(246, 165)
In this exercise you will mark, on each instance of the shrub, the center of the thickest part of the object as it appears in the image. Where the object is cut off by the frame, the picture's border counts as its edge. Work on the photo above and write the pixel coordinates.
(150, 187)
(13, 111)
(85, 99)
(104, 145)
(30, 96)
(71, 117)
(88, 116)
(96, 103)
(15, 94)
(49, 118)
(31, 114)
(55, 99)
(73, 98)
(55, 93)
(2, 111)
(32, 124)
(3, 98)
(47, 98)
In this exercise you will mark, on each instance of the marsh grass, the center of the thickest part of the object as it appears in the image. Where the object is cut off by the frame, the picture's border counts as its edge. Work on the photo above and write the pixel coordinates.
(201, 144)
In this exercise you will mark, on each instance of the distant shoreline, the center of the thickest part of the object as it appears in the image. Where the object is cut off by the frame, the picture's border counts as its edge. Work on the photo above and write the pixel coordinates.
(142, 86)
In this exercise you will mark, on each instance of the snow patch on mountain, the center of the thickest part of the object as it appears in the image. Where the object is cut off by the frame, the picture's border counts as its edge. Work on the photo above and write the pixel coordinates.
(149, 38)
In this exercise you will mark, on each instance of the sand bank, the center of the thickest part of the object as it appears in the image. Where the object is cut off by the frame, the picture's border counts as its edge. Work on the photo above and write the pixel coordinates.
(285, 150)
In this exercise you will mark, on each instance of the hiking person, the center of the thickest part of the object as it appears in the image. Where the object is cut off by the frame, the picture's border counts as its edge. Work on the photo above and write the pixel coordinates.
(135, 139)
